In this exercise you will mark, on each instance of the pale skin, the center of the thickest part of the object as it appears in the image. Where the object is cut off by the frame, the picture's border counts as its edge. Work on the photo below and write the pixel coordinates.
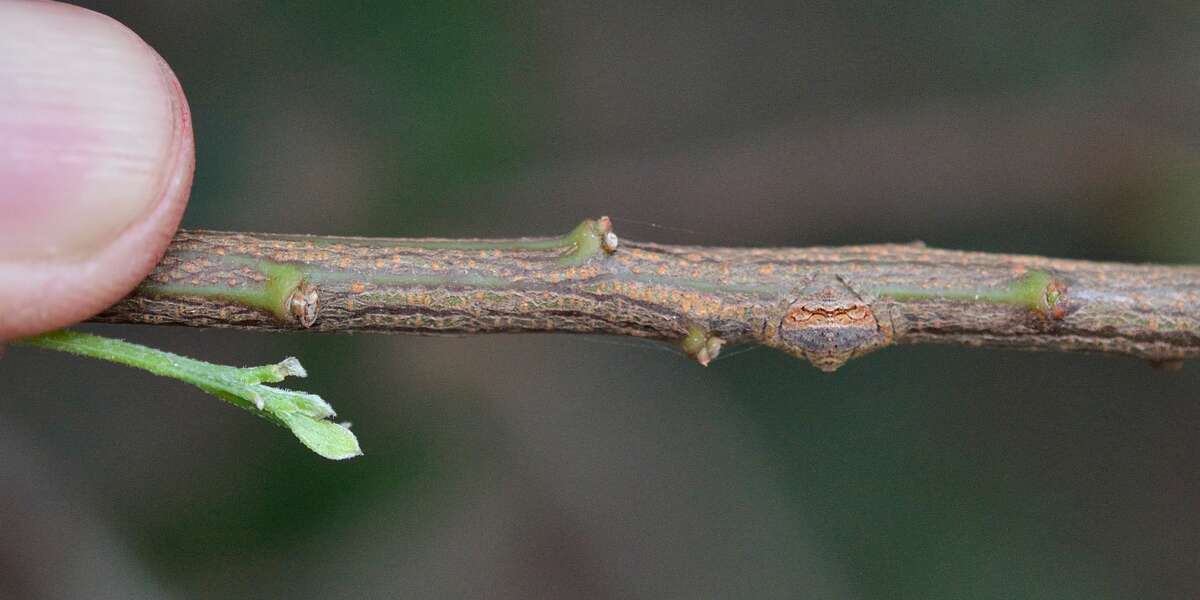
(94, 177)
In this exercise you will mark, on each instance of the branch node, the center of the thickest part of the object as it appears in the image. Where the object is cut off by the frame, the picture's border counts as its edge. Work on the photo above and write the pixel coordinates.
(608, 239)
(591, 237)
(702, 345)
(304, 304)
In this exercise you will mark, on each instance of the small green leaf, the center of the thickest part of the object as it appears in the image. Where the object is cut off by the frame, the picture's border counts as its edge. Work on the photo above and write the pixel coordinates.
(305, 414)
(331, 440)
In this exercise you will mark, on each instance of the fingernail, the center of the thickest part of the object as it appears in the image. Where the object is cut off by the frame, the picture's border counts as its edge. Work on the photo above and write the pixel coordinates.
(88, 129)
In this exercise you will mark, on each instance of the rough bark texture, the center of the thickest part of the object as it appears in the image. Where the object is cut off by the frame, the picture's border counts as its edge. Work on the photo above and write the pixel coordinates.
(823, 304)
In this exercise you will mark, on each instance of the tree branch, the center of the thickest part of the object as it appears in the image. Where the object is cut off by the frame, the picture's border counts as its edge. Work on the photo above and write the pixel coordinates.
(823, 304)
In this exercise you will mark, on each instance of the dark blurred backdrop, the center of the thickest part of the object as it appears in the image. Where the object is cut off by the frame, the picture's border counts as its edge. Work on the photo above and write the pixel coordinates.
(574, 467)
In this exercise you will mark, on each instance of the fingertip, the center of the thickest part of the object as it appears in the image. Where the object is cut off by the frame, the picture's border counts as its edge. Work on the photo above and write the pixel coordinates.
(100, 150)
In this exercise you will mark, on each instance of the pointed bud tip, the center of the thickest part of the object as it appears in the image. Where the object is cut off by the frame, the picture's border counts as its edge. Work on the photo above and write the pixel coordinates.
(291, 367)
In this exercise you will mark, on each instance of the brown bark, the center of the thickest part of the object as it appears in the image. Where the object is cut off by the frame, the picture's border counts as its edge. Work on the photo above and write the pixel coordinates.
(823, 304)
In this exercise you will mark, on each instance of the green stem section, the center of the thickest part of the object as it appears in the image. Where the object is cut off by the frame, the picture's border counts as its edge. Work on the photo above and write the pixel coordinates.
(279, 282)
(304, 414)
(1036, 290)
(576, 246)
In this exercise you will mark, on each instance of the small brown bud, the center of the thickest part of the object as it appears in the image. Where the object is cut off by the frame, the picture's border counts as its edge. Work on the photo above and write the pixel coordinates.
(304, 305)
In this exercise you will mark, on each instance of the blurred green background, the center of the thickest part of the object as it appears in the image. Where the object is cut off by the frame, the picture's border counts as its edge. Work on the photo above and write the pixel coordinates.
(573, 467)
